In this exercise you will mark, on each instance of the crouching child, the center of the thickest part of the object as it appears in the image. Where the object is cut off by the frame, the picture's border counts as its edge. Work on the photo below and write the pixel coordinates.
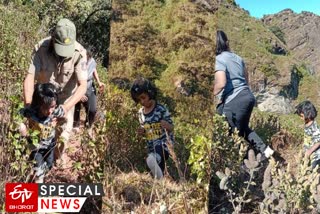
(311, 144)
(155, 125)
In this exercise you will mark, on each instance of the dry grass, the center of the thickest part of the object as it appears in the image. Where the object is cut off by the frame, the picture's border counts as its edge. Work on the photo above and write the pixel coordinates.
(140, 193)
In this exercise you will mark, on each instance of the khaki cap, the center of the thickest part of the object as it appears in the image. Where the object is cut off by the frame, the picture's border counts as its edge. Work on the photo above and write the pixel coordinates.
(64, 38)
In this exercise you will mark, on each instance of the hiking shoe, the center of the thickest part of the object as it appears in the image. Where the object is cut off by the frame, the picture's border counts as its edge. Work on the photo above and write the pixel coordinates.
(268, 152)
(91, 133)
(39, 179)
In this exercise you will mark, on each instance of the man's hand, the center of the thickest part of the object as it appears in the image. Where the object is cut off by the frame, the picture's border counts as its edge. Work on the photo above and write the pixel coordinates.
(84, 98)
(54, 122)
(101, 87)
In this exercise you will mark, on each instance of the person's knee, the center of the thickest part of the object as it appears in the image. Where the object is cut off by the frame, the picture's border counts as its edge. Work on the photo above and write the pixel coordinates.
(153, 166)
(151, 160)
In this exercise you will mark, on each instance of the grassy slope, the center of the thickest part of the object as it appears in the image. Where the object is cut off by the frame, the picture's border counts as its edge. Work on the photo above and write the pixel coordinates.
(161, 41)
(150, 41)
(166, 42)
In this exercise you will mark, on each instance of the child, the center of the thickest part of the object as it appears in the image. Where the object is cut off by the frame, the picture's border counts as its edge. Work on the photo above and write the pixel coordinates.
(156, 125)
(39, 114)
(311, 144)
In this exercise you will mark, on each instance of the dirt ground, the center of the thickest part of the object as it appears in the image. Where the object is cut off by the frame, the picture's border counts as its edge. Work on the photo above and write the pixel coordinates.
(68, 173)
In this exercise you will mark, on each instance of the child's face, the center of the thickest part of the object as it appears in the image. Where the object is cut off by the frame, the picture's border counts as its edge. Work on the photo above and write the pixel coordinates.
(145, 100)
(302, 117)
(47, 110)
(306, 121)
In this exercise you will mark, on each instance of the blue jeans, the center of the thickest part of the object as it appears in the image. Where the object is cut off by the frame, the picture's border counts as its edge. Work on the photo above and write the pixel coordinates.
(42, 156)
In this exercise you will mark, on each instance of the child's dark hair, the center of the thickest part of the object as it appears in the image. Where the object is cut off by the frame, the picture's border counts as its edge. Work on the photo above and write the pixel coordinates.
(222, 42)
(43, 95)
(141, 86)
(307, 109)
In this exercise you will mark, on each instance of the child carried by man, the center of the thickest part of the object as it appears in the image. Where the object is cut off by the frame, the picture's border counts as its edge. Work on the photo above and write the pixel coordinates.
(40, 118)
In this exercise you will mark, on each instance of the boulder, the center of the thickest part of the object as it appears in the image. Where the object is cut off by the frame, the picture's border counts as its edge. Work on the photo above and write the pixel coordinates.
(274, 103)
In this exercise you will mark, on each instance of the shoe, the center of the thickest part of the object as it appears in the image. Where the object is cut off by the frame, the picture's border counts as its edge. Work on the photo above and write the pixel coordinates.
(39, 179)
(91, 133)
(268, 152)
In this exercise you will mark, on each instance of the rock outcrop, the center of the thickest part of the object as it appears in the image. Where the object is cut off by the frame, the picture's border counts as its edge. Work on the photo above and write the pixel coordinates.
(301, 34)
(274, 103)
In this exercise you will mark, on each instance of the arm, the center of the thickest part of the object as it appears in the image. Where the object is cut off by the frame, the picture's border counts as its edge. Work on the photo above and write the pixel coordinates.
(220, 81)
(166, 122)
(312, 149)
(96, 76)
(76, 97)
(82, 76)
(166, 125)
(28, 84)
(141, 131)
(28, 87)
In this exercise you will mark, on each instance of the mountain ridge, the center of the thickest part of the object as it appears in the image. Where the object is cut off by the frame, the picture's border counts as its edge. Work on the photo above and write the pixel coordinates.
(301, 32)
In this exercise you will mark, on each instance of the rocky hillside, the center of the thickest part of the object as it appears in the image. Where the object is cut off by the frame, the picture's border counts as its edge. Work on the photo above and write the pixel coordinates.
(300, 33)
(280, 53)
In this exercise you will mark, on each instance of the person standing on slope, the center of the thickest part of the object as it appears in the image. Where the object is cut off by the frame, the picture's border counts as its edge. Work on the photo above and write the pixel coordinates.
(236, 98)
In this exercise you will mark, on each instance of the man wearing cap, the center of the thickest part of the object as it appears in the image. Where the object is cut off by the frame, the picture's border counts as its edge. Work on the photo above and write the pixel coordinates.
(60, 60)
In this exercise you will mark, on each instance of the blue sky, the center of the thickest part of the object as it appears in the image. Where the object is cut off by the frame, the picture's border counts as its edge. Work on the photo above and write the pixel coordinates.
(258, 8)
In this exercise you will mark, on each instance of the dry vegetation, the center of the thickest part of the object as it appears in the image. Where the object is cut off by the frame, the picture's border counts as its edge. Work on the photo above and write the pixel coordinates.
(285, 184)
(172, 43)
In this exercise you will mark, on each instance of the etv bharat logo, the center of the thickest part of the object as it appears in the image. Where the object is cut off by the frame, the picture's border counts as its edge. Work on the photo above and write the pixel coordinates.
(59, 197)
(21, 197)
(24, 194)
